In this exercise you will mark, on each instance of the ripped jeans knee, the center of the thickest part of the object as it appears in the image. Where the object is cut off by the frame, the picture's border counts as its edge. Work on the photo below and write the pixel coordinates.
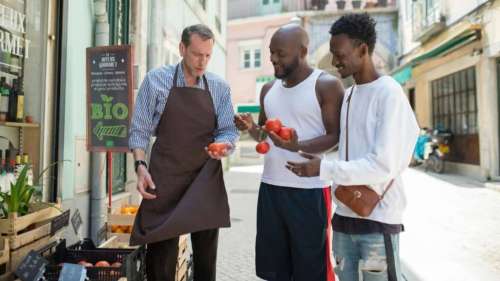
(373, 269)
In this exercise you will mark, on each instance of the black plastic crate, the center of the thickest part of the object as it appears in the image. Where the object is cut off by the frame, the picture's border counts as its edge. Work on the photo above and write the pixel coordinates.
(133, 261)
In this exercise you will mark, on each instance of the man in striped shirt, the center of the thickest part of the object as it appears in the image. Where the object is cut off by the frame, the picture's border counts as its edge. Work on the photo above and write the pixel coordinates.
(187, 109)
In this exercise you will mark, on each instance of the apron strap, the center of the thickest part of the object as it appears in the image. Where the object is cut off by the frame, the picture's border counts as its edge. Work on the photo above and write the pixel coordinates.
(205, 82)
(174, 85)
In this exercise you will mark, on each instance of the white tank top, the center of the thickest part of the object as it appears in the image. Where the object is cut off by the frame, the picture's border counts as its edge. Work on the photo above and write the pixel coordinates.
(297, 108)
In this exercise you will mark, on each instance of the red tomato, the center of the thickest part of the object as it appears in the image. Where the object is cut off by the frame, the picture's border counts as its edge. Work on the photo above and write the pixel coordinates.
(273, 124)
(217, 148)
(285, 133)
(262, 147)
(102, 264)
(85, 263)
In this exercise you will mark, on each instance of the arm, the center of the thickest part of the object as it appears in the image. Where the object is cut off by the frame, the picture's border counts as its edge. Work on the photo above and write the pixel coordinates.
(226, 130)
(330, 94)
(140, 132)
(396, 135)
(245, 121)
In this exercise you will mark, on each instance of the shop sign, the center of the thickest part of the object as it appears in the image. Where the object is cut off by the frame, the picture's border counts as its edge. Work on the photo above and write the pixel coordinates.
(109, 97)
(13, 32)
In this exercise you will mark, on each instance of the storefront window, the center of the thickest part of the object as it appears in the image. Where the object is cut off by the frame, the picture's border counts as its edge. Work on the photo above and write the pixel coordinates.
(23, 48)
(22, 45)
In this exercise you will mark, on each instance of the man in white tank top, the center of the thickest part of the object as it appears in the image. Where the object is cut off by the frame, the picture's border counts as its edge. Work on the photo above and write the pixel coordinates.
(293, 213)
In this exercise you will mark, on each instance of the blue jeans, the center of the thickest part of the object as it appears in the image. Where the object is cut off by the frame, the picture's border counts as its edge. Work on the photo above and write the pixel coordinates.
(362, 257)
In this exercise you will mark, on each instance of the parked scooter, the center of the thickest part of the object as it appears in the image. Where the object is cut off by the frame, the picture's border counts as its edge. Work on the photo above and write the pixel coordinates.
(431, 148)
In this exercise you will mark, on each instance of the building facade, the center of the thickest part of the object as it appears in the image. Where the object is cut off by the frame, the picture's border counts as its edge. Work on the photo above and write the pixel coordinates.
(250, 30)
(43, 92)
(449, 68)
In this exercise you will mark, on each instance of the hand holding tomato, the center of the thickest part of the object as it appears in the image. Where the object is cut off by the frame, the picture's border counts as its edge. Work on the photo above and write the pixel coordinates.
(286, 138)
(286, 133)
(273, 125)
(218, 150)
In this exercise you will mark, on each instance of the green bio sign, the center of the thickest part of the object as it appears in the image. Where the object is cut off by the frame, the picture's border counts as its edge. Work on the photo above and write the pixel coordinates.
(109, 97)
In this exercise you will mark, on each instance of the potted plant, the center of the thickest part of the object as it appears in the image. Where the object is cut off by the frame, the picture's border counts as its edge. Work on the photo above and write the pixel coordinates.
(19, 198)
(19, 210)
(340, 4)
(356, 4)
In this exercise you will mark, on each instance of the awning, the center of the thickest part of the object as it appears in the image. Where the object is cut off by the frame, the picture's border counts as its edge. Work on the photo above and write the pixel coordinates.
(248, 108)
(404, 73)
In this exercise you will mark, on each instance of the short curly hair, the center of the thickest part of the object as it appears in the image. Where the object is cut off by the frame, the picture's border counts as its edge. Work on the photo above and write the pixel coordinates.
(360, 27)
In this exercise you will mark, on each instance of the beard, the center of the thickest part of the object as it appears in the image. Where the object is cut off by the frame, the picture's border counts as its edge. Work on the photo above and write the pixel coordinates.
(288, 69)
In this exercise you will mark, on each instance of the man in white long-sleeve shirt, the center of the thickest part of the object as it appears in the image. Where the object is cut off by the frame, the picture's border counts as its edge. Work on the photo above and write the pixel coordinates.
(382, 133)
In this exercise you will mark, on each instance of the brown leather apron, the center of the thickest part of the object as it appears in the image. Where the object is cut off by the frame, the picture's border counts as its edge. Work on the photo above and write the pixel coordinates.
(190, 190)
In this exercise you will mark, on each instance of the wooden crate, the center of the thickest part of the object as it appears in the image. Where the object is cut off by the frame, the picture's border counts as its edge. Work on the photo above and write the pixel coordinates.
(17, 256)
(4, 251)
(121, 220)
(4, 259)
(16, 241)
(40, 212)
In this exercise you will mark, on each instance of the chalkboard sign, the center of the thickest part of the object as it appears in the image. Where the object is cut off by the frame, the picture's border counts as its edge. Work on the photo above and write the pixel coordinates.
(32, 267)
(72, 272)
(76, 221)
(59, 222)
(109, 97)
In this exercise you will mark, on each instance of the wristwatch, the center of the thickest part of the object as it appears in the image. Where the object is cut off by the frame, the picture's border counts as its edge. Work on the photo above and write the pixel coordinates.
(137, 163)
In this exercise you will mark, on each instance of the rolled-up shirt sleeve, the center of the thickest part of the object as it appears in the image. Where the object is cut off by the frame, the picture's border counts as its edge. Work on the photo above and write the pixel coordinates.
(141, 127)
(226, 130)
(396, 135)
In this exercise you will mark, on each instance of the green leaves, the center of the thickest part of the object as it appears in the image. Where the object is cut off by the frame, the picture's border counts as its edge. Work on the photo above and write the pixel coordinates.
(19, 197)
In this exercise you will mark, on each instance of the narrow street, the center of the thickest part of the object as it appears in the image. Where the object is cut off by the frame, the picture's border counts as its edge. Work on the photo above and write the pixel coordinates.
(452, 230)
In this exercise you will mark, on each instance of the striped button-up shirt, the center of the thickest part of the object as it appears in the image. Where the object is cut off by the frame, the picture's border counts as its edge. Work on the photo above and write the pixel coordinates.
(152, 98)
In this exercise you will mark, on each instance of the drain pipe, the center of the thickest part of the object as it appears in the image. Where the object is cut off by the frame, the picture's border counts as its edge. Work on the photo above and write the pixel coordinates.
(98, 160)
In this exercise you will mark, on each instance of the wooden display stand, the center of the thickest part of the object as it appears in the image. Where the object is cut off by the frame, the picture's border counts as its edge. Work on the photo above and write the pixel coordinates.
(121, 240)
(120, 224)
(4, 259)
(23, 234)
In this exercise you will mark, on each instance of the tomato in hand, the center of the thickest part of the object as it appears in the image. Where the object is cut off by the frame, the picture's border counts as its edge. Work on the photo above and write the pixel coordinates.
(217, 148)
(262, 147)
(273, 124)
(285, 133)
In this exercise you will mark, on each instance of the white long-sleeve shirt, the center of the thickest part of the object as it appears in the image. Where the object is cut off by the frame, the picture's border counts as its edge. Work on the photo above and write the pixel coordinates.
(382, 135)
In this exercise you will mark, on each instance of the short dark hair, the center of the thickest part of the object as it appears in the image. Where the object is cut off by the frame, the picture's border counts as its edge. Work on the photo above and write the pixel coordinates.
(202, 30)
(359, 27)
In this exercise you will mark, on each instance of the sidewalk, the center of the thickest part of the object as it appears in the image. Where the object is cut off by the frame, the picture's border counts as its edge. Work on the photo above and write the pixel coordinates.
(452, 228)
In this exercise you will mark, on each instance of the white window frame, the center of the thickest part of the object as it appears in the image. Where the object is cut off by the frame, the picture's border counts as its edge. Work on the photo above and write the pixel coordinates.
(252, 47)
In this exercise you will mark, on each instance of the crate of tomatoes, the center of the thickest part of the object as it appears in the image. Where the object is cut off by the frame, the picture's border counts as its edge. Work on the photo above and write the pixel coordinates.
(102, 264)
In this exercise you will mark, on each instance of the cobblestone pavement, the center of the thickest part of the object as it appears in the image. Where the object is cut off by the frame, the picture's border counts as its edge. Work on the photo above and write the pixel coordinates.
(452, 228)
(237, 244)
